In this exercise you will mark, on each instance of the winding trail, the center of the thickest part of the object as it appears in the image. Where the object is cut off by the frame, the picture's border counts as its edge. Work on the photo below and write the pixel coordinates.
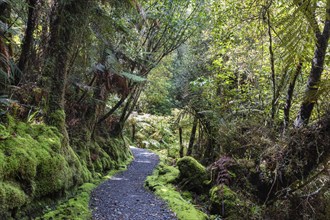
(123, 197)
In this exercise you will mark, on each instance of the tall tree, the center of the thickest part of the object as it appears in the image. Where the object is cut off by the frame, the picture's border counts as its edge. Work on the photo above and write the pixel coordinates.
(28, 38)
(314, 79)
(69, 19)
(5, 50)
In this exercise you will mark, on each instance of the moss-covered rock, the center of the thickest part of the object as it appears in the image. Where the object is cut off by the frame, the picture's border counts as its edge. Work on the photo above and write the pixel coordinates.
(224, 201)
(11, 197)
(231, 205)
(163, 175)
(193, 175)
(160, 181)
(37, 165)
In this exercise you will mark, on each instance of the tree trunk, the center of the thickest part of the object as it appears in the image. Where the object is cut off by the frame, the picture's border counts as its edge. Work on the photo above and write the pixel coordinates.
(287, 106)
(209, 150)
(5, 53)
(272, 65)
(70, 18)
(133, 132)
(311, 93)
(192, 136)
(181, 142)
(112, 110)
(28, 39)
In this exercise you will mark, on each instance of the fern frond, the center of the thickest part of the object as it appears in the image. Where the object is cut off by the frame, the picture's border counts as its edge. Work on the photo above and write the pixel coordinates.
(133, 77)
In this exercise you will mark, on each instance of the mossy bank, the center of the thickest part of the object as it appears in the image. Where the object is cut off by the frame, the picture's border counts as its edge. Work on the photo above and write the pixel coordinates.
(161, 183)
(37, 169)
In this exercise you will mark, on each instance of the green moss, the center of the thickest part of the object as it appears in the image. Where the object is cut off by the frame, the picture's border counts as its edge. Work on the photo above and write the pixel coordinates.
(232, 205)
(187, 195)
(35, 159)
(193, 175)
(4, 134)
(53, 175)
(2, 165)
(223, 199)
(20, 160)
(77, 208)
(74, 208)
(160, 181)
(58, 118)
(11, 196)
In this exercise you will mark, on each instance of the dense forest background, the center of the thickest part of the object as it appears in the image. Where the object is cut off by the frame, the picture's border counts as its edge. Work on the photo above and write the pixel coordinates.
(241, 86)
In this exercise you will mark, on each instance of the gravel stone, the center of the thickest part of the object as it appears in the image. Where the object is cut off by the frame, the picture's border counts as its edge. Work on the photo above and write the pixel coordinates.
(123, 197)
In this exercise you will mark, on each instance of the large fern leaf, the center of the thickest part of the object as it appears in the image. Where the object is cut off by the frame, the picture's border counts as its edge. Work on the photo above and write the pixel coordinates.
(133, 77)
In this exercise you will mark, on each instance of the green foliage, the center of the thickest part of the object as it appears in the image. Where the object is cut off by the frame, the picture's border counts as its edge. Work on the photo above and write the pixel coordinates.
(154, 132)
(156, 98)
(133, 78)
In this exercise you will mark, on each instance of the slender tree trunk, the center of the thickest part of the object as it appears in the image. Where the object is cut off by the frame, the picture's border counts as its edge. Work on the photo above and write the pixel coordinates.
(289, 95)
(135, 100)
(192, 136)
(112, 110)
(5, 53)
(208, 153)
(272, 65)
(311, 93)
(28, 39)
(133, 132)
(181, 142)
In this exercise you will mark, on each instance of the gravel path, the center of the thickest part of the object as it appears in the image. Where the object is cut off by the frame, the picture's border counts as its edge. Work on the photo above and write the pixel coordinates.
(124, 197)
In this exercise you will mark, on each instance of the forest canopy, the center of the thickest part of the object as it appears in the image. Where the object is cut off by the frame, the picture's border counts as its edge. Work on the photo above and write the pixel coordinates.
(241, 86)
